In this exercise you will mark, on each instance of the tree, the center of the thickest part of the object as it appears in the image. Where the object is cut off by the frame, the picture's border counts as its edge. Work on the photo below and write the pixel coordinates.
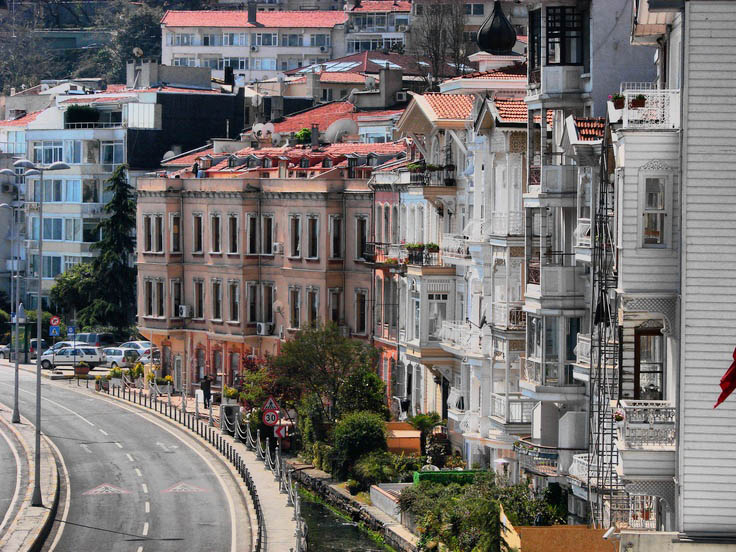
(364, 390)
(357, 434)
(74, 288)
(319, 362)
(425, 423)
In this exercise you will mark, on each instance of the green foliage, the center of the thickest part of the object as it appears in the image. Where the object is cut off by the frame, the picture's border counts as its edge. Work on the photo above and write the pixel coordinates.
(116, 372)
(74, 288)
(303, 136)
(357, 434)
(353, 486)
(466, 517)
(445, 477)
(230, 392)
(385, 467)
(425, 423)
(364, 390)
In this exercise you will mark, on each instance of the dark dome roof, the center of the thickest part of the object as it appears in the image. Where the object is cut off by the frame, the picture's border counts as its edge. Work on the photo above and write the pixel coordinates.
(496, 35)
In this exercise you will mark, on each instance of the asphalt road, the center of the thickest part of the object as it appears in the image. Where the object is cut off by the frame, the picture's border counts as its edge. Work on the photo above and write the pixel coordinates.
(12, 459)
(134, 485)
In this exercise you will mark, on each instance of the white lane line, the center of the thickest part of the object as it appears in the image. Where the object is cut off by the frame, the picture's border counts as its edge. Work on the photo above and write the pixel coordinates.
(104, 432)
(145, 488)
(16, 492)
(130, 457)
(47, 400)
(140, 549)
(64, 516)
(145, 529)
(148, 507)
(85, 447)
(118, 445)
(138, 472)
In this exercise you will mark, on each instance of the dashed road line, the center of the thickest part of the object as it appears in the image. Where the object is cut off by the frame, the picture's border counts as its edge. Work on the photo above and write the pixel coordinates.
(138, 472)
(145, 488)
(104, 432)
(118, 445)
(148, 507)
(130, 457)
(86, 447)
(145, 529)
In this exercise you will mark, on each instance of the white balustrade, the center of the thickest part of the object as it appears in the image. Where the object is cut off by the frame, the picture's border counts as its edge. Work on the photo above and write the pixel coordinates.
(653, 109)
(648, 423)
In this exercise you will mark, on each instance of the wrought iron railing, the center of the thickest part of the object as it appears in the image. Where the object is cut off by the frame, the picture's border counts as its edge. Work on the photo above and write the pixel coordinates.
(507, 223)
(648, 423)
(582, 349)
(459, 334)
(455, 246)
(519, 408)
(651, 109)
(509, 316)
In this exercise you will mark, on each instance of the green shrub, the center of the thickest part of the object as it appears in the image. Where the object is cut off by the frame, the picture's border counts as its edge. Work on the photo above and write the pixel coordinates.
(116, 372)
(447, 476)
(357, 434)
(353, 486)
(230, 392)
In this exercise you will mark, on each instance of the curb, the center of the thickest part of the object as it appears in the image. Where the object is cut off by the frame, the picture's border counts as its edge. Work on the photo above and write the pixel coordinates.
(31, 525)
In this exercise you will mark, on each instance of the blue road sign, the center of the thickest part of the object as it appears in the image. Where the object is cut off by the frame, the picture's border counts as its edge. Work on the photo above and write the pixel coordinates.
(54, 331)
(70, 330)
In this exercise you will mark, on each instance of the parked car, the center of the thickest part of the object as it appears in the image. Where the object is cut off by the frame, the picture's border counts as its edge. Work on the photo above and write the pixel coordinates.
(56, 346)
(143, 347)
(69, 356)
(5, 350)
(116, 356)
(96, 339)
(146, 357)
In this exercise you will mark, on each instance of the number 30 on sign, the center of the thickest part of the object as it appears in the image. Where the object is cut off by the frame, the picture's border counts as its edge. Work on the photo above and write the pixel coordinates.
(270, 417)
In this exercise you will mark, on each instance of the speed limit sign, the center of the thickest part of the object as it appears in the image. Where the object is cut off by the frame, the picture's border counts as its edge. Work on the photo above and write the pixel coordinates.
(270, 417)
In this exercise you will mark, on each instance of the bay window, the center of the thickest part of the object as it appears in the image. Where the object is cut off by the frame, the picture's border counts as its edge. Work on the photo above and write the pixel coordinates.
(564, 36)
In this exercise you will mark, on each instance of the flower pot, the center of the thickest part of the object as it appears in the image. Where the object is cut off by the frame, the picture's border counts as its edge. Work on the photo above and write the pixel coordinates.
(98, 386)
(81, 370)
(116, 382)
(618, 103)
(228, 400)
(645, 515)
(636, 104)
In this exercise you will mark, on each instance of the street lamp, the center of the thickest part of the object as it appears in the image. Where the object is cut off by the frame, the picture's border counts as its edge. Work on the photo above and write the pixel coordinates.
(34, 169)
(14, 295)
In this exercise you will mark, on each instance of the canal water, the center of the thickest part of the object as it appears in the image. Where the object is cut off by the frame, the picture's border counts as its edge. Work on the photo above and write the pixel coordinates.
(327, 532)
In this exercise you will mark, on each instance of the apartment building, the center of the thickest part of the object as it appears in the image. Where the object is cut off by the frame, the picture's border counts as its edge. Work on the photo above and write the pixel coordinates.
(377, 25)
(95, 132)
(266, 241)
(254, 44)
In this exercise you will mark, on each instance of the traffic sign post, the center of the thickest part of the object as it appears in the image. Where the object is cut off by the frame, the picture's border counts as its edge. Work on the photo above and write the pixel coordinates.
(55, 321)
(70, 331)
(279, 432)
(54, 331)
(270, 417)
(271, 404)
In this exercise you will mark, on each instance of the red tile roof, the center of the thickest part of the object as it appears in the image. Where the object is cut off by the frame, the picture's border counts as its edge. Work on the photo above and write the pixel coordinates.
(265, 19)
(340, 78)
(375, 60)
(590, 128)
(323, 115)
(450, 106)
(511, 110)
(96, 99)
(550, 117)
(189, 158)
(564, 538)
(21, 121)
(116, 87)
(382, 6)
(382, 113)
(512, 72)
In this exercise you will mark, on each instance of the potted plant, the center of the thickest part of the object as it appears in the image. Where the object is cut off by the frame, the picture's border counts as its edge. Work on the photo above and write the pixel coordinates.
(415, 167)
(98, 383)
(619, 417)
(618, 100)
(230, 395)
(164, 384)
(81, 369)
(116, 377)
(432, 247)
(413, 246)
(638, 102)
(646, 513)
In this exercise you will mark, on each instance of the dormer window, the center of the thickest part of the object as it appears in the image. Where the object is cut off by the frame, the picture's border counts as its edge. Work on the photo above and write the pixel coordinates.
(304, 163)
(232, 162)
(267, 163)
(253, 163)
(327, 162)
(372, 161)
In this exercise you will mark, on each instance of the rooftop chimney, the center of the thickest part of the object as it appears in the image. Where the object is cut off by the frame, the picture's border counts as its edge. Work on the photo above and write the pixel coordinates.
(315, 135)
(252, 11)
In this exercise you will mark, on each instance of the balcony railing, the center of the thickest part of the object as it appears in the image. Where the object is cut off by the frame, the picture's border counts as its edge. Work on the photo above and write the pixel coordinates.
(433, 178)
(456, 400)
(507, 224)
(382, 253)
(520, 408)
(582, 349)
(509, 316)
(582, 233)
(96, 124)
(660, 109)
(643, 513)
(455, 246)
(537, 458)
(460, 335)
(422, 257)
(589, 473)
(533, 275)
(648, 423)
(545, 373)
(470, 422)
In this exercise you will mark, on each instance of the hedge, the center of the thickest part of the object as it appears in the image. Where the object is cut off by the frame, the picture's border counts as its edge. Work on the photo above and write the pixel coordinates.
(446, 476)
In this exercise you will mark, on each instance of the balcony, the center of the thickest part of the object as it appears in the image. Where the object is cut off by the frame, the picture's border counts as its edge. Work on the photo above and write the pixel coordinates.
(509, 316)
(460, 337)
(422, 257)
(587, 473)
(651, 109)
(549, 381)
(455, 248)
(95, 124)
(555, 80)
(383, 255)
(435, 182)
(582, 349)
(470, 422)
(519, 408)
(551, 179)
(456, 404)
(507, 223)
(646, 439)
(537, 459)
(552, 281)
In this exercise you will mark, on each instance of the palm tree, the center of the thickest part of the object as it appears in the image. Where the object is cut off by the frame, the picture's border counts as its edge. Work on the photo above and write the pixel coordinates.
(425, 423)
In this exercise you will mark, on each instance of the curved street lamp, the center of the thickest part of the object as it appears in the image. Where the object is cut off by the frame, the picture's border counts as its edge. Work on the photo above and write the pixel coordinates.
(33, 169)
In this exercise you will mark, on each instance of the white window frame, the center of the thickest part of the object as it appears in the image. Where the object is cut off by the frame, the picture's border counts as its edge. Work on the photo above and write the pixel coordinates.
(252, 297)
(195, 284)
(171, 234)
(295, 307)
(364, 293)
(249, 234)
(309, 238)
(216, 296)
(298, 253)
(339, 255)
(214, 251)
(667, 178)
(264, 242)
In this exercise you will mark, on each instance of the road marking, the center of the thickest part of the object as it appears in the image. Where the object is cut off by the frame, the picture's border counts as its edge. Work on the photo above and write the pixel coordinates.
(145, 529)
(138, 472)
(18, 472)
(148, 507)
(86, 447)
(140, 549)
(104, 432)
(130, 457)
(106, 489)
(166, 448)
(68, 489)
(47, 400)
(118, 445)
(183, 487)
(145, 488)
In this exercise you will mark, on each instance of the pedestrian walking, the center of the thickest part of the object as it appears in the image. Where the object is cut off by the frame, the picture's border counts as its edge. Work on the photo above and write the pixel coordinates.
(205, 385)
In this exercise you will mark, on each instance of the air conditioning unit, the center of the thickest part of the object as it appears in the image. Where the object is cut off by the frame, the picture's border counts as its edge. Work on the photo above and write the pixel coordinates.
(6, 188)
(185, 311)
(402, 28)
(263, 328)
(323, 48)
(402, 96)
(254, 48)
(278, 248)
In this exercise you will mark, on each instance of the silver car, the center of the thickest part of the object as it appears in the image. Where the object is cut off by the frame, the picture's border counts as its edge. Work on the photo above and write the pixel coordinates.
(115, 356)
(70, 356)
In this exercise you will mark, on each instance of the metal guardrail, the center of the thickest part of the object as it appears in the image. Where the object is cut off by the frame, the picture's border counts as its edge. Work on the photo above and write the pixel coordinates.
(649, 423)
(192, 422)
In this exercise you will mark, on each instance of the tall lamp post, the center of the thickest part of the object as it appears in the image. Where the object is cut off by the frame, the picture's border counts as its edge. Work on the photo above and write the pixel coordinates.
(14, 296)
(32, 169)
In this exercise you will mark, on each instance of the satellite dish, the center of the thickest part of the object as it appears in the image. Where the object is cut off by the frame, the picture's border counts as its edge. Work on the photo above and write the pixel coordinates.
(137, 52)
(268, 127)
(276, 139)
(169, 154)
(258, 129)
(340, 128)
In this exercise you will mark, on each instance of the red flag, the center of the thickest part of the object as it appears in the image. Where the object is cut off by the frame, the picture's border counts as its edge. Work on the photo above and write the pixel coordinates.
(728, 382)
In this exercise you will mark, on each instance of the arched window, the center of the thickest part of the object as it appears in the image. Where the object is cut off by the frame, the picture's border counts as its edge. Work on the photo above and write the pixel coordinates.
(200, 364)
(395, 224)
(386, 223)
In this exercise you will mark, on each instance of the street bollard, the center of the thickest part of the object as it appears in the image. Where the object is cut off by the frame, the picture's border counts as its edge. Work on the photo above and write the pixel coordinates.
(211, 422)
